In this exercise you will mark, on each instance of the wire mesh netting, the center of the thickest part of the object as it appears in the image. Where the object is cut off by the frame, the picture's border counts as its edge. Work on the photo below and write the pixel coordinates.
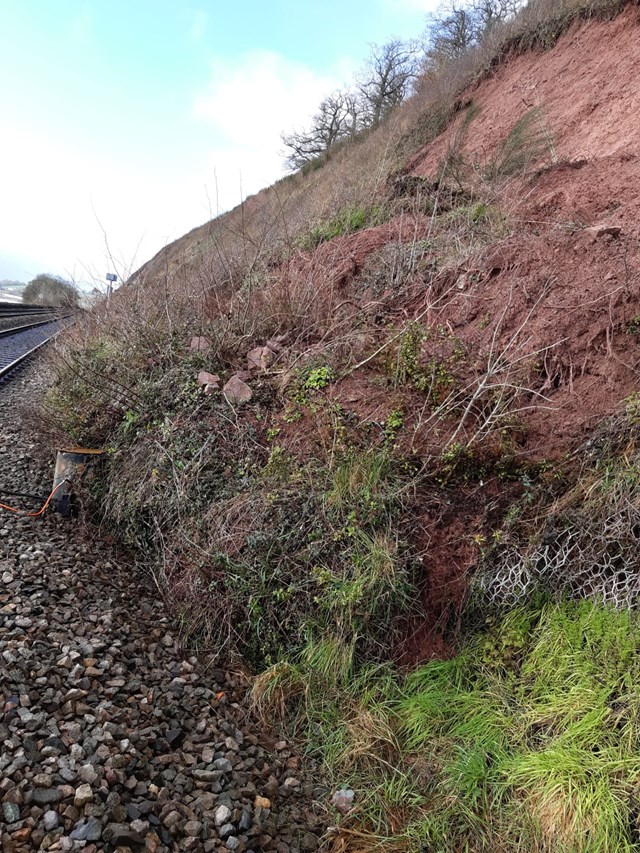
(588, 549)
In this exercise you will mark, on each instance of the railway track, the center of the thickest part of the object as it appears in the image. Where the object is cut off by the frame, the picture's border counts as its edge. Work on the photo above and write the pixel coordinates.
(13, 317)
(19, 342)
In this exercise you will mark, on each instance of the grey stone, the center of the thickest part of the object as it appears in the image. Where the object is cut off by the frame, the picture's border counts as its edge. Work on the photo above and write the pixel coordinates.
(193, 828)
(87, 829)
(237, 391)
(83, 795)
(44, 796)
(50, 820)
(122, 834)
(205, 775)
(11, 812)
(222, 815)
(343, 799)
(244, 824)
(171, 819)
(226, 830)
(88, 774)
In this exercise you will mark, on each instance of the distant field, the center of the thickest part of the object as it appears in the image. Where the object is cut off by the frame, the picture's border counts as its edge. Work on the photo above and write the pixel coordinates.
(10, 296)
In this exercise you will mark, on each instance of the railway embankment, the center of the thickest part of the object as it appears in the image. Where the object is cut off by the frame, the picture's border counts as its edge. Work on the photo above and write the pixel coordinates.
(376, 433)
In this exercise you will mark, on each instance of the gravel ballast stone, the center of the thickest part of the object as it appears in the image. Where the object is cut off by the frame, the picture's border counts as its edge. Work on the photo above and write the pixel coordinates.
(113, 735)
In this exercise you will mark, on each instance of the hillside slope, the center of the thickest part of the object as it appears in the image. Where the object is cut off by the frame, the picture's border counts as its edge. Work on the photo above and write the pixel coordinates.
(575, 167)
(584, 285)
(372, 418)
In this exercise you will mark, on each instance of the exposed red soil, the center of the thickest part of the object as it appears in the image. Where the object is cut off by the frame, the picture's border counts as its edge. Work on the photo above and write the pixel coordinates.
(568, 306)
(587, 87)
(556, 299)
(557, 295)
(583, 293)
(557, 303)
(444, 537)
(336, 262)
(553, 289)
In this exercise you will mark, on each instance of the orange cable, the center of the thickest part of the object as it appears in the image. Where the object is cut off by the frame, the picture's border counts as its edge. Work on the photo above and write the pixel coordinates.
(42, 508)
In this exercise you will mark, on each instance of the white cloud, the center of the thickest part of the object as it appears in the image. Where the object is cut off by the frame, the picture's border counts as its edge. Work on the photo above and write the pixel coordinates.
(249, 103)
(58, 200)
(58, 195)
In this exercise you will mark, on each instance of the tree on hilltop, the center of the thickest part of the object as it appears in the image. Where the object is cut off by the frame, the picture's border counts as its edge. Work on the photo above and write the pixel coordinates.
(387, 78)
(455, 27)
(333, 121)
(384, 82)
(47, 289)
(390, 75)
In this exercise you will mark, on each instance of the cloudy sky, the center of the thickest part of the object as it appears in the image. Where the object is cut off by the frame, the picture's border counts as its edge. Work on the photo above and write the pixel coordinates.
(125, 123)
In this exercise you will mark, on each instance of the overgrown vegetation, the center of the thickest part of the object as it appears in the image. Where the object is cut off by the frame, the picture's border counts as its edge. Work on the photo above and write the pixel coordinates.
(587, 545)
(297, 529)
(346, 221)
(47, 289)
(524, 741)
(261, 551)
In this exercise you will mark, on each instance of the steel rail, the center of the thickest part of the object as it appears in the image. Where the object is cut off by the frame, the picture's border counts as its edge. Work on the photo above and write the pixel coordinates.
(8, 368)
(10, 310)
(5, 332)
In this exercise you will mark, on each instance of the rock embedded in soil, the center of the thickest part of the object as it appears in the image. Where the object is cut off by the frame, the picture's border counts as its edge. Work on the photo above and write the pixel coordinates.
(595, 232)
(343, 799)
(260, 358)
(112, 733)
(199, 343)
(237, 391)
(210, 382)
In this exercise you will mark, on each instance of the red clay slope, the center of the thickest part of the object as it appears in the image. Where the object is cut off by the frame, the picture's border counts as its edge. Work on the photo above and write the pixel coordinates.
(582, 291)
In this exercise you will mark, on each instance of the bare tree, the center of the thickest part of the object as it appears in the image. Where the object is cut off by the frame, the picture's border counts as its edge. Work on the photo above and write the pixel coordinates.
(387, 78)
(488, 13)
(385, 81)
(333, 121)
(355, 114)
(391, 73)
(458, 26)
(452, 31)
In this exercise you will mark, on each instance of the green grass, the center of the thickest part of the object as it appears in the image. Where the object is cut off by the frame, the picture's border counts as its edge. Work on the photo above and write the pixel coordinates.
(528, 740)
(346, 221)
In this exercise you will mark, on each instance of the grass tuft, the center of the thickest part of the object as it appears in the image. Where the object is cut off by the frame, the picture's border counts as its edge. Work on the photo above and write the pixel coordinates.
(527, 740)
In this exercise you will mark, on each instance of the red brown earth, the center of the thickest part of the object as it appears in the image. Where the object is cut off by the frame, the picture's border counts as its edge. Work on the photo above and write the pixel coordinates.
(586, 288)
(559, 286)
(554, 291)
(554, 288)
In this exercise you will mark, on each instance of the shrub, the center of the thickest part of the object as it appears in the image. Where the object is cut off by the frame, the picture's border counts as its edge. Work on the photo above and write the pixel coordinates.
(346, 221)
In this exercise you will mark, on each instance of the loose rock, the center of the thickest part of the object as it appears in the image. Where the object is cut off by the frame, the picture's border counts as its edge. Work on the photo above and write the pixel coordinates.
(113, 735)
(237, 391)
